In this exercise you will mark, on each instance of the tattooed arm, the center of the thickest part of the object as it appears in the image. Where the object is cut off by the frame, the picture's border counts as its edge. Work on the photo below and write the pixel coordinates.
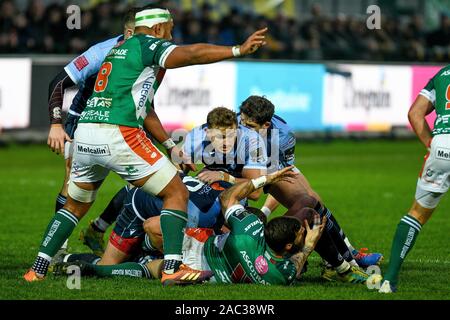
(243, 189)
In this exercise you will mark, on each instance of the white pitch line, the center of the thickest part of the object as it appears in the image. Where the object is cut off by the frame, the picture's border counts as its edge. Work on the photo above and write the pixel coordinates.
(427, 261)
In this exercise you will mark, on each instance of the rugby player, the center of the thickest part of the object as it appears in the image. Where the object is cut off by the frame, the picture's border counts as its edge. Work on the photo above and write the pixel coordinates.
(228, 151)
(433, 181)
(110, 136)
(258, 113)
(242, 157)
(81, 72)
(250, 252)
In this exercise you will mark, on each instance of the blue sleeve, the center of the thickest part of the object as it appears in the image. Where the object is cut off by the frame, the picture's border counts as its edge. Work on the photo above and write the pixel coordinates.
(90, 61)
(252, 148)
(287, 148)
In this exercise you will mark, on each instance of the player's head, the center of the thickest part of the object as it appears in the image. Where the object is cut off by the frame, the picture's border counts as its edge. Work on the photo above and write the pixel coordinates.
(128, 22)
(222, 129)
(256, 113)
(155, 21)
(280, 234)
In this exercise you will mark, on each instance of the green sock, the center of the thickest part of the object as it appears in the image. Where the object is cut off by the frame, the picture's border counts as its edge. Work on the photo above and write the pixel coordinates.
(127, 269)
(58, 230)
(172, 227)
(407, 231)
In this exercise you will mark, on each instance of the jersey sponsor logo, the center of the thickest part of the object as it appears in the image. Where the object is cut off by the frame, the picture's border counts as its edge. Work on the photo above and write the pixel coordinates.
(95, 115)
(253, 274)
(261, 265)
(443, 154)
(118, 53)
(446, 73)
(99, 102)
(81, 63)
(92, 149)
(254, 223)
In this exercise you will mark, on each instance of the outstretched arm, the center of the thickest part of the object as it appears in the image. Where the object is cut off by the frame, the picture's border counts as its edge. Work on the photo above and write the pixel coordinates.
(202, 53)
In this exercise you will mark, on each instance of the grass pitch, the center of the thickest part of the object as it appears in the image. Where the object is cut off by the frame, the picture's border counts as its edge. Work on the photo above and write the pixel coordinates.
(368, 185)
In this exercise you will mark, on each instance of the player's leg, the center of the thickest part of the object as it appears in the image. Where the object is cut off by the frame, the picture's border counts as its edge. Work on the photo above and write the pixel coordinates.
(432, 184)
(80, 198)
(153, 236)
(406, 234)
(92, 235)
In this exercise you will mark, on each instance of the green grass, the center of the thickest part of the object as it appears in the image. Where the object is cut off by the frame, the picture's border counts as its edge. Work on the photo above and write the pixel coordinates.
(369, 186)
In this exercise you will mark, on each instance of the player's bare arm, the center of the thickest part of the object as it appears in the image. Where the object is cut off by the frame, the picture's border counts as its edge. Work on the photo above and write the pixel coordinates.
(416, 115)
(310, 241)
(153, 124)
(207, 53)
(242, 190)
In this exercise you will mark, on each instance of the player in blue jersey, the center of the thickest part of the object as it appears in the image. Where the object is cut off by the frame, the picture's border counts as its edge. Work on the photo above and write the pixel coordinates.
(137, 230)
(257, 113)
(228, 151)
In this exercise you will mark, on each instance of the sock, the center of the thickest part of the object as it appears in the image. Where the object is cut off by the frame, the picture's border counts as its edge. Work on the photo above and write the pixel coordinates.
(58, 230)
(327, 251)
(347, 242)
(333, 230)
(60, 202)
(109, 215)
(86, 257)
(407, 231)
(343, 268)
(147, 245)
(172, 227)
(127, 269)
(100, 225)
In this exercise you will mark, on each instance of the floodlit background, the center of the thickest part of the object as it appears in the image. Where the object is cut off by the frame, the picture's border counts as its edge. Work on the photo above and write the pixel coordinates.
(324, 69)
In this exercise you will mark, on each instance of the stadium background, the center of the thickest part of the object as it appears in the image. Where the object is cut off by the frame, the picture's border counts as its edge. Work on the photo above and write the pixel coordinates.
(329, 77)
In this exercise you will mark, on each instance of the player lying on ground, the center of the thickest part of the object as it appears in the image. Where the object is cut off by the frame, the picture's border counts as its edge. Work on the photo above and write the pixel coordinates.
(110, 136)
(249, 253)
(433, 180)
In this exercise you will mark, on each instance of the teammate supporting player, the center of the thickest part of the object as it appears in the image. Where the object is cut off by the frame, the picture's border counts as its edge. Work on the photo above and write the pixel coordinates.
(110, 136)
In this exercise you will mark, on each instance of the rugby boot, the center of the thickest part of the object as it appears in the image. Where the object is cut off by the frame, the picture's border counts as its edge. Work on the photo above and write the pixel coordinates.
(185, 276)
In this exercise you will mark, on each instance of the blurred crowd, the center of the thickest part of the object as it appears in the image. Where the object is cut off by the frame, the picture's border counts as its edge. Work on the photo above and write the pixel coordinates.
(42, 29)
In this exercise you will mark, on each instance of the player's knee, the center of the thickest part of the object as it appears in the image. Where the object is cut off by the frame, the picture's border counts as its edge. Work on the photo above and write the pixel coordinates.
(426, 200)
(81, 195)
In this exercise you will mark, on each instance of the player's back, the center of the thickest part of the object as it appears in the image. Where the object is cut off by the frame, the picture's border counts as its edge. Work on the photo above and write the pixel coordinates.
(437, 91)
(242, 255)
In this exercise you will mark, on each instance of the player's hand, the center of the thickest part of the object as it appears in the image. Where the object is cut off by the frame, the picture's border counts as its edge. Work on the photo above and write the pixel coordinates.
(209, 177)
(178, 156)
(283, 174)
(56, 138)
(254, 42)
(313, 235)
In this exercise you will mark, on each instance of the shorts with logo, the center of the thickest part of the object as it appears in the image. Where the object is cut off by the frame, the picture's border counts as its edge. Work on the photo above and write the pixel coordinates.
(435, 174)
(193, 244)
(99, 148)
